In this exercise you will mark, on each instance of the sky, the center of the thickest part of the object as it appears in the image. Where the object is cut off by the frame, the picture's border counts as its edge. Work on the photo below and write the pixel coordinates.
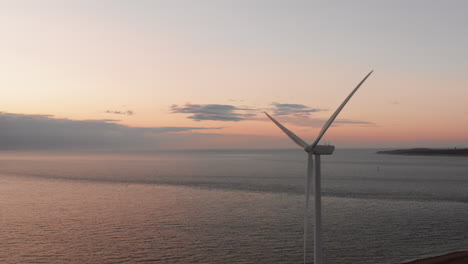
(199, 74)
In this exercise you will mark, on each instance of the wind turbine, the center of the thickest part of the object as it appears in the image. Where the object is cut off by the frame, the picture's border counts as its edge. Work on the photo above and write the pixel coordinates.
(316, 150)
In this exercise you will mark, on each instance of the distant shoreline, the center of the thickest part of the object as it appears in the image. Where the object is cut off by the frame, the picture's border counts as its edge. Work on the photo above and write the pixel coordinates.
(427, 152)
(460, 257)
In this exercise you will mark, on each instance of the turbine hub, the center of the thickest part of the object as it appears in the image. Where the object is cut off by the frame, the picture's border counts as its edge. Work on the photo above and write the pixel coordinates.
(320, 149)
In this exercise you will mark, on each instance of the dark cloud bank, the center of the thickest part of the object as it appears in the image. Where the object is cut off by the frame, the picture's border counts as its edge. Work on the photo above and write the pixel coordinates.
(42, 132)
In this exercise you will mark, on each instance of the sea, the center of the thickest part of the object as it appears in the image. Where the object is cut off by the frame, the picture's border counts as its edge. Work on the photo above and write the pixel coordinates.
(227, 206)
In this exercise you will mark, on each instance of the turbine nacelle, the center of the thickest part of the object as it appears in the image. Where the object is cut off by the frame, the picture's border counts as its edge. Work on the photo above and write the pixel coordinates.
(320, 149)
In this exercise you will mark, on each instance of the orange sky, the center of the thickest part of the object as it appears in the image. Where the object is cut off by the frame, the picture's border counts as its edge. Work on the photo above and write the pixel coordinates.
(84, 60)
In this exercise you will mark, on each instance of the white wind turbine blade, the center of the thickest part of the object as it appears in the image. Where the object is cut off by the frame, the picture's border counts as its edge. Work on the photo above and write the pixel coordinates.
(290, 134)
(332, 118)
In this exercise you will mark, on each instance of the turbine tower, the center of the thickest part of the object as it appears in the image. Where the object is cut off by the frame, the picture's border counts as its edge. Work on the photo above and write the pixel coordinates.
(316, 150)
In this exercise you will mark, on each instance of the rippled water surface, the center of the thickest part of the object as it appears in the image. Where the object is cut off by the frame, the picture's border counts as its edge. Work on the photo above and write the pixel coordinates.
(226, 206)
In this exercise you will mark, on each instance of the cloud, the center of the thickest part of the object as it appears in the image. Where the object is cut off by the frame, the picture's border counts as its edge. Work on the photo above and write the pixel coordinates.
(176, 129)
(300, 115)
(293, 109)
(98, 120)
(43, 132)
(217, 112)
(353, 122)
(307, 121)
(128, 112)
(304, 121)
(297, 114)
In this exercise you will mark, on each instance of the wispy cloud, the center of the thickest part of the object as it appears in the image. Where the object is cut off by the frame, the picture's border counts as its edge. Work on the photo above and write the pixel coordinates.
(293, 109)
(307, 121)
(127, 112)
(302, 115)
(353, 122)
(216, 112)
(177, 129)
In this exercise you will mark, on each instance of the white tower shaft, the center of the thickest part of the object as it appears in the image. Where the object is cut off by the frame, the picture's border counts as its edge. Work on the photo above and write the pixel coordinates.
(308, 189)
(318, 213)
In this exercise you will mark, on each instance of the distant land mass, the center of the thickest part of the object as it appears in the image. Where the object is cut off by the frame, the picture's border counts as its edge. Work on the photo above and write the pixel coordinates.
(427, 152)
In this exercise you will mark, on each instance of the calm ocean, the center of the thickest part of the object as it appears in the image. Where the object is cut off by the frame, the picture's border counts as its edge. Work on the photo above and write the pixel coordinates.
(227, 206)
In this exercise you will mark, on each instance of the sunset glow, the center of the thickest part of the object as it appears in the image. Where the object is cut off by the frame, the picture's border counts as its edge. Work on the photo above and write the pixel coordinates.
(199, 74)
